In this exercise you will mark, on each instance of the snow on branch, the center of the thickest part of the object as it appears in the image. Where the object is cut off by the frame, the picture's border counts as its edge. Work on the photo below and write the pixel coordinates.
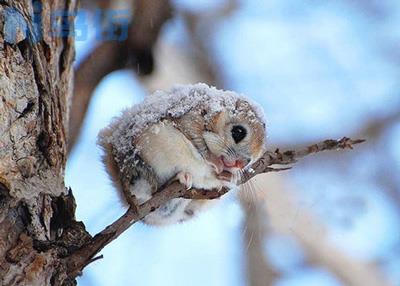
(86, 254)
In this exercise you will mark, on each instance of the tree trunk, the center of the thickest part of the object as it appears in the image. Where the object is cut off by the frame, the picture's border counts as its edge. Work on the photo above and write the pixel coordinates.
(37, 225)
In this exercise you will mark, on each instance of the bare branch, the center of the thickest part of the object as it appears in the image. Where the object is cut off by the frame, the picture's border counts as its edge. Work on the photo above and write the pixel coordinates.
(79, 259)
(101, 62)
(277, 157)
(149, 17)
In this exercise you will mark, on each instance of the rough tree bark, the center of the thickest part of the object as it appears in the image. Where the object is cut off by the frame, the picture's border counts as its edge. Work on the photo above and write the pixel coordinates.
(37, 226)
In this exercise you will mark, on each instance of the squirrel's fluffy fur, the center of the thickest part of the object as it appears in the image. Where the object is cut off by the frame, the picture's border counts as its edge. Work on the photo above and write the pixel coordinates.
(193, 132)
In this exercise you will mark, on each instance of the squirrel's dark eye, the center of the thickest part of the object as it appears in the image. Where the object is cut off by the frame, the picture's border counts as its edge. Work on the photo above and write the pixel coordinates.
(238, 133)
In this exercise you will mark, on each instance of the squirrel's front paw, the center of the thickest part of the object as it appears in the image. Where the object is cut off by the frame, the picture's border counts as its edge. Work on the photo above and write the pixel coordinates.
(186, 179)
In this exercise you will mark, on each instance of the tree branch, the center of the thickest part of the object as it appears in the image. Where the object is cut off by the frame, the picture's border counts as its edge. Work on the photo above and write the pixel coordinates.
(79, 259)
(149, 17)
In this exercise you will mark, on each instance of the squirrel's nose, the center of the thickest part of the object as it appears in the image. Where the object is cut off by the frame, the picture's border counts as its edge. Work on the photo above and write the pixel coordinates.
(239, 163)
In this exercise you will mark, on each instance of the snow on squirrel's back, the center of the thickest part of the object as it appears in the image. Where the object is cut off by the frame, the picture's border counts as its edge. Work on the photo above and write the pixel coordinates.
(170, 104)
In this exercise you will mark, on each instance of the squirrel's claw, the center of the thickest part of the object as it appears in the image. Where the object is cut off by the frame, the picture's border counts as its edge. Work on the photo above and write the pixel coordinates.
(186, 179)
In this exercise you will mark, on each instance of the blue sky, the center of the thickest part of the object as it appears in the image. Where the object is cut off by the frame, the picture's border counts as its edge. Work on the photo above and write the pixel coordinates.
(320, 70)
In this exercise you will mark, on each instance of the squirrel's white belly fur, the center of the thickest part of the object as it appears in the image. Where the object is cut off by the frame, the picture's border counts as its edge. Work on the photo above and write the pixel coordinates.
(169, 152)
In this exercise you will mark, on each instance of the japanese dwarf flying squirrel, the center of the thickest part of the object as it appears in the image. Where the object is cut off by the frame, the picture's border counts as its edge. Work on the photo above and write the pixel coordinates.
(192, 133)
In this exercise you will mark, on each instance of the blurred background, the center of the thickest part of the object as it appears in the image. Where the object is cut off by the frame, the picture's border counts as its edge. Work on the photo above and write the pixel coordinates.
(320, 69)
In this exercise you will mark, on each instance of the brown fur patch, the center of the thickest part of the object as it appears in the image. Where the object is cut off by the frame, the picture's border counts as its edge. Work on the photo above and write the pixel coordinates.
(215, 122)
(111, 165)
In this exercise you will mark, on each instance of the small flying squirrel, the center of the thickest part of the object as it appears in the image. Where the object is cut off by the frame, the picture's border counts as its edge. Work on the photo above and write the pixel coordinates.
(193, 133)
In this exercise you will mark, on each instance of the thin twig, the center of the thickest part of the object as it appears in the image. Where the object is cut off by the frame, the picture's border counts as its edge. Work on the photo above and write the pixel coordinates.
(79, 259)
